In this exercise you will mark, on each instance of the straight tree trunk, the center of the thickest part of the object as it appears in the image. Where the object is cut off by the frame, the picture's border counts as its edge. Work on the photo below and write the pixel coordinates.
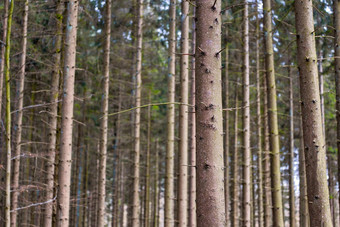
(210, 171)
(246, 206)
(317, 188)
(272, 114)
(8, 117)
(18, 117)
(337, 75)
(136, 179)
(104, 121)
(63, 202)
(292, 217)
(304, 216)
(234, 214)
(192, 147)
(182, 204)
(259, 124)
(147, 175)
(266, 168)
(52, 134)
(156, 189)
(170, 150)
(3, 48)
(226, 134)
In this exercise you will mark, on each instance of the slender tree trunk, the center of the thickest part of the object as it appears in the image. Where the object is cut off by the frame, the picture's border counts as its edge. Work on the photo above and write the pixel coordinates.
(104, 121)
(234, 214)
(304, 216)
(182, 204)
(136, 203)
(210, 171)
(170, 150)
(18, 120)
(246, 123)
(3, 48)
(259, 124)
(156, 189)
(63, 202)
(266, 168)
(272, 113)
(226, 134)
(147, 175)
(337, 75)
(317, 189)
(292, 217)
(52, 134)
(192, 148)
(8, 117)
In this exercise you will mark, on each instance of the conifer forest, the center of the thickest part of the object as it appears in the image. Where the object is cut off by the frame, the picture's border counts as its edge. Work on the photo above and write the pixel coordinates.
(169, 113)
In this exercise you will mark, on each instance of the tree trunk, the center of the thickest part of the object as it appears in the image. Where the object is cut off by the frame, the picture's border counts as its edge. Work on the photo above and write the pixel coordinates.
(337, 75)
(192, 148)
(234, 214)
(291, 150)
(272, 113)
(317, 189)
(135, 208)
(8, 117)
(3, 48)
(170, 150)
(104, 121)
(18, 120)
(52, 134)
(156, 189)
(259, 124)
(210, 171)
(147, 175)
(182, 203)
(246, 206)
(63, 203)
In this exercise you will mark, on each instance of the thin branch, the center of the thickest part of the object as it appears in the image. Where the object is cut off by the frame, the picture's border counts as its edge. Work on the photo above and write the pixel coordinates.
(35, 204)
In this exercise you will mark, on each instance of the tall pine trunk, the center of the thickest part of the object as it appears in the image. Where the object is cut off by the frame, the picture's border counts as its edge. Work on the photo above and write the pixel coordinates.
(64, 174)
(18, 117)
(210, 171)
(170, 149)
(182, 204)
(314, 142)
(3, 48)
(272, 114)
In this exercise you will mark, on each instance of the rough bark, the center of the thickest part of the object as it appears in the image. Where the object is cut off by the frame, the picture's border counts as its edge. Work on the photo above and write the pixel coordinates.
(104, 120)
(18, 117)
(170, 150)
(52, 134)
(136, 164)
(210, 172)
(8, 117)
(246, 206)
(182, 204)
(292, 218)
(192, 147)
(337, 75)
(272, 114)
(64, 174)
(317, 188)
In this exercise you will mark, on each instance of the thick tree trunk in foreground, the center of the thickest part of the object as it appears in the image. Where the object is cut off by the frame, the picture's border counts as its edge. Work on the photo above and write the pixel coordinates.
(317, 188)
(18, 117)
(170, 149)
(337, 75)
(8, 117)
(182, 204)
(104, 120)
(210, 168)
(64, 175)
(246, 123)
(52, 134)
(136, 162)
(272, 113)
